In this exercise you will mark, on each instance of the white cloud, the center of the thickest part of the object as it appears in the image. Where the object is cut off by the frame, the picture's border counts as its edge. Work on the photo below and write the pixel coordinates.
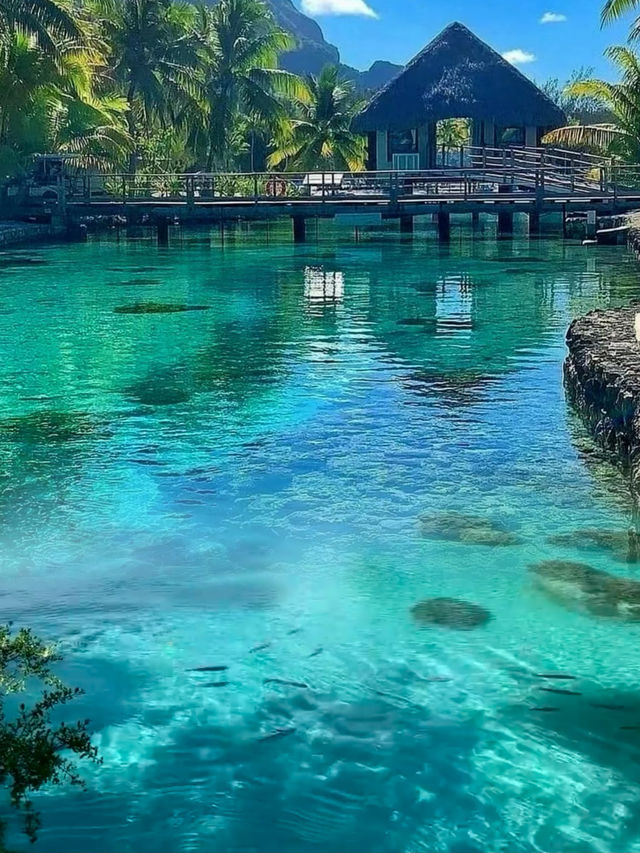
(338, 7)
(553, 18)
(518, 56)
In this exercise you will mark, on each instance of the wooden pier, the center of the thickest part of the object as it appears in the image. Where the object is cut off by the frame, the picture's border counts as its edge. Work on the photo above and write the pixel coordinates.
(501, 182)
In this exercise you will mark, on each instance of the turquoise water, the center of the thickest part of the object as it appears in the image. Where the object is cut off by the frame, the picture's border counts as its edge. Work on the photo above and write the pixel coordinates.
(241, 486)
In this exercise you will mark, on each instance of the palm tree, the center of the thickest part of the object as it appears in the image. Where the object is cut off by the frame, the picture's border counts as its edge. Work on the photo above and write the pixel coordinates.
(615, 9)
(50, 104)
(152, 58)
(242, 81)
(320, 137)
(620, 137)
(47, 21)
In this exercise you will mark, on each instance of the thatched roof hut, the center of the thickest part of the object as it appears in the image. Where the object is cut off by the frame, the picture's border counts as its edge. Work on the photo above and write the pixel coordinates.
(459, 76)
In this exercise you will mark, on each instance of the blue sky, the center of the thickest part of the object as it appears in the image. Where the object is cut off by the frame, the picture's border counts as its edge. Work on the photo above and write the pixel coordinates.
(401, 28)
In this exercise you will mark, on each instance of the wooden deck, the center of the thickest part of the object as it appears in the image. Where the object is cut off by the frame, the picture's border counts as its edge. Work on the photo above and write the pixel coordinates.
(500, 182)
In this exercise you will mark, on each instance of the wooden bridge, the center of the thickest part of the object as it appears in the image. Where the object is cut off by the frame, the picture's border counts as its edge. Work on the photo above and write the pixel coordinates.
(502, 182)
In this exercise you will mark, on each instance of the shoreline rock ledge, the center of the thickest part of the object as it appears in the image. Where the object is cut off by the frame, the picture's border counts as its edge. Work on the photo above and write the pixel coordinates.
(602, 381)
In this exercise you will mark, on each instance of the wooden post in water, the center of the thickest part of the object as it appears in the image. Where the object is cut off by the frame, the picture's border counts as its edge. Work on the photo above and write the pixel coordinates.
(505, 218)
(299, 229)
(534, 222)
(444, 226)
(163, 231)
(406, 224)
(475, 219)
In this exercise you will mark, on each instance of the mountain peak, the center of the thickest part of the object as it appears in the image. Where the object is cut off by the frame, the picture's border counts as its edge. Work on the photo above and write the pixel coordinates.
(313, 52)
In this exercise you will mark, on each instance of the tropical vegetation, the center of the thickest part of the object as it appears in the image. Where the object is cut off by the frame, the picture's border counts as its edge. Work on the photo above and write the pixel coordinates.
(163, 85)
(605, 116)
(34, 750)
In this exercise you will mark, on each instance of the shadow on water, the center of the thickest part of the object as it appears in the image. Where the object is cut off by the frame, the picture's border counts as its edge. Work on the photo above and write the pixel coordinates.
(602, 725)
(323, 773)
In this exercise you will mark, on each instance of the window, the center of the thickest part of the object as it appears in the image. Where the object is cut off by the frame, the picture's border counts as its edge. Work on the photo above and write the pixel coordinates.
(509, 136)
(402, 142)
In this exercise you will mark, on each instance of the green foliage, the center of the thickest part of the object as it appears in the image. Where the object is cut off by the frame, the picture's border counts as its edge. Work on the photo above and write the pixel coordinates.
(320, 135)
(454, 132)
(621, 136)
(579, 108)
(241, 79)
(34, 751)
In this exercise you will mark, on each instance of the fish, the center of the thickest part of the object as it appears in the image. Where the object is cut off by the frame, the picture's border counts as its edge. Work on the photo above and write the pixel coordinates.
(216, 684)
(285, 683)
(558, 676)
(560, 691)
(293, 631)
(220, 668)
(608, 707)
(259, 648)
(279, 733)
(317, 652)
(438, 679)
(630, 728)
(545, 709)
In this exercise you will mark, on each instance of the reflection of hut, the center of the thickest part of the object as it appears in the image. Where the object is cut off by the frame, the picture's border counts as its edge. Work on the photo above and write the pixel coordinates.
(456, 76)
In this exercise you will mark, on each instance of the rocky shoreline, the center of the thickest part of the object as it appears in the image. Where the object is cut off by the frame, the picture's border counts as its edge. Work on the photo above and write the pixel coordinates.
(14, 233)
(602, 380)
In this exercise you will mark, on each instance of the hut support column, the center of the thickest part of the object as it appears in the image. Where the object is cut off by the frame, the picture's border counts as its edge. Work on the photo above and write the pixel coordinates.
(505, 223)
(406, 224)
(163, 231)
(505, 218)
(299, 229)
(534, 222)
(444, 226)
(475, 219)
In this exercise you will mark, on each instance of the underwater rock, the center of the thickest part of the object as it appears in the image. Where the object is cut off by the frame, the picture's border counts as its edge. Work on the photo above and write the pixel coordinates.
(163, 388)
(158, 308)
(624, 545)
(454, 388)
(424, 322)
(135, 282)
(470, 529)
(592, 590)
(47, 427)
(7, 262)
(451, 613)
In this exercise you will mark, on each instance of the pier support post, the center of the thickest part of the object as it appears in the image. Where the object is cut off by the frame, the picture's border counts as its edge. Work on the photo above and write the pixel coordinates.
(444, 226)
(505, 223)
(475, 219)
(406, 224)
(163, 231)
(591, 225)
(299, 229)
(505, 218)
(534, 222)
(76, 232)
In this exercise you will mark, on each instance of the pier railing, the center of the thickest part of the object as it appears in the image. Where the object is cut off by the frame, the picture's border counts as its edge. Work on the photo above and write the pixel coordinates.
(479, 180)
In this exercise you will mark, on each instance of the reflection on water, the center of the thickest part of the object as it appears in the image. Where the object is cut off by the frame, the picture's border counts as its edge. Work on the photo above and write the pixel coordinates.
(287, 542)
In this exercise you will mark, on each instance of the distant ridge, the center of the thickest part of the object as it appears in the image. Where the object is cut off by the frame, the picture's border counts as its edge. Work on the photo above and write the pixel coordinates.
(313, 52)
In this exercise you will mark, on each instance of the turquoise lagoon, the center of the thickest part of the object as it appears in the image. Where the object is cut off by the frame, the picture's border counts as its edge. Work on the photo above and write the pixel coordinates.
(241, 486)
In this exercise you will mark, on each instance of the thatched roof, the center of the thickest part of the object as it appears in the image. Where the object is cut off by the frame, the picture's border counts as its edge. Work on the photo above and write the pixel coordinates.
(459, 76)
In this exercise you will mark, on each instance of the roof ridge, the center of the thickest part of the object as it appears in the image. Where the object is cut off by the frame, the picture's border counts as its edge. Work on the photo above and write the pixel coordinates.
(456, 28)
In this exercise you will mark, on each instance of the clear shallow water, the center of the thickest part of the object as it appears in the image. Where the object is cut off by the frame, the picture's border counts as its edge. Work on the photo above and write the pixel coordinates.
(253, 474)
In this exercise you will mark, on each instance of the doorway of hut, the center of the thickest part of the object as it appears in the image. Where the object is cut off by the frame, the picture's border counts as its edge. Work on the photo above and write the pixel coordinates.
(453, 139)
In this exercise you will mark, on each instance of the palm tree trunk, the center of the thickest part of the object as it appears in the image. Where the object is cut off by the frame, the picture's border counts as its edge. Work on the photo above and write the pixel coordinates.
(133, 156)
